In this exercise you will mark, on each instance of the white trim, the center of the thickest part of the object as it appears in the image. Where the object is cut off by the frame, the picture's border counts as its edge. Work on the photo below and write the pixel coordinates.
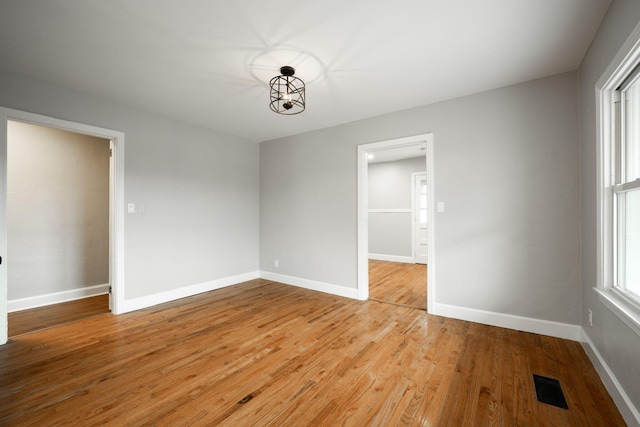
(363, 224)
(328, 288)
(604, 220)
(621, 308)
(392, 258)
(116, 203)
(56, 297)
(606, 87)
(363, 210)
(431, 228)
(628, 411)
(4, 321)
(187, 291)
(510, 321)
(390, 211)
(620, 67)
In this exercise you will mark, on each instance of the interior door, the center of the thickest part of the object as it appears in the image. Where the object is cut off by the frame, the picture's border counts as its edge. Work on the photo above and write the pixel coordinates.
(420, 218)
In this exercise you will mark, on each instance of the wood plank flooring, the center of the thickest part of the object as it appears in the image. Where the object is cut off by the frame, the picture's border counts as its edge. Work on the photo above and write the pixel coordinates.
(264, 353)
(22, 322)
(398, 283)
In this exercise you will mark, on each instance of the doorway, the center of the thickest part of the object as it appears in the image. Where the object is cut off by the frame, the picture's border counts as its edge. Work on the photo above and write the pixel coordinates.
(57, 225)
(408, 237)
(116, 203)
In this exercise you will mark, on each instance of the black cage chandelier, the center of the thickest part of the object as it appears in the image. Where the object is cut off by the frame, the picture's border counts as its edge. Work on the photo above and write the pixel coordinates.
(287, 92)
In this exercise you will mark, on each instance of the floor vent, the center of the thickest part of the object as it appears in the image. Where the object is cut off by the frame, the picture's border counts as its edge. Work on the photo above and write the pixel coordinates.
(548, 391)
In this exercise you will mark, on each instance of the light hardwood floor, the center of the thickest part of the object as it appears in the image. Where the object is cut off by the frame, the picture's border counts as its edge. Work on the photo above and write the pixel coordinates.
(262, 353)
(35, 319)
(398, 283)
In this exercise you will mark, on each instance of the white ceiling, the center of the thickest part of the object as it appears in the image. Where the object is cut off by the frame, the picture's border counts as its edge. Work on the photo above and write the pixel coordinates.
(208, 62)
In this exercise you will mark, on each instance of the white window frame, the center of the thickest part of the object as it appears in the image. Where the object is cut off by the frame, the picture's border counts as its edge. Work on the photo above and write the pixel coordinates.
(621, 304)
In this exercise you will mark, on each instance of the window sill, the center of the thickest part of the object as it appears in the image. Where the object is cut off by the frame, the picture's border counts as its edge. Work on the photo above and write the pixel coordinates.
(628, 313)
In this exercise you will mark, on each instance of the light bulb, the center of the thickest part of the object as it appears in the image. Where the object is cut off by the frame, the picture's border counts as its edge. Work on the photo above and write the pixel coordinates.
(286, 98)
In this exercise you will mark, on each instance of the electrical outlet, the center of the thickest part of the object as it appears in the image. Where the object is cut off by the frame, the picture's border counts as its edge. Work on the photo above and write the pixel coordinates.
(590, 317)
(276, 263)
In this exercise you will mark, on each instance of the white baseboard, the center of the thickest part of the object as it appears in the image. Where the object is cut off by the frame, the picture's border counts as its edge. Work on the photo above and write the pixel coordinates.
(392, 258)
(311, 284)
(187, 291)
(510, 321)
(628, 411)
(56, 297)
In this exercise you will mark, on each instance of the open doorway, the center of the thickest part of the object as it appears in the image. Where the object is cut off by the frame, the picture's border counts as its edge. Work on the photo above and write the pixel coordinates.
(397, 248)
(57, 226)
(395, 179)
(114, 145)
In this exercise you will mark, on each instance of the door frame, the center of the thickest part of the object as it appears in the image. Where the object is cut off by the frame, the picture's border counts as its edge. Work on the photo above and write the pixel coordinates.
(363, 210)
(116, 203)
(415, 209)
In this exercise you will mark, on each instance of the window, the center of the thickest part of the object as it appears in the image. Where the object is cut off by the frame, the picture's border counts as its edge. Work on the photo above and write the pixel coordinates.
(626, 187)
(618, 105)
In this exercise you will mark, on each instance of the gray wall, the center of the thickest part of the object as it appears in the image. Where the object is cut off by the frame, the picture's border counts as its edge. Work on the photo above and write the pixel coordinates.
(390, 187)
(506, 167)
(199, 188)
(57, 210)
(616, 342)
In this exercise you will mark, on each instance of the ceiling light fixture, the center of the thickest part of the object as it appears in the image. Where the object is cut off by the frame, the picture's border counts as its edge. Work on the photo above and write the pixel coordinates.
(287, 92)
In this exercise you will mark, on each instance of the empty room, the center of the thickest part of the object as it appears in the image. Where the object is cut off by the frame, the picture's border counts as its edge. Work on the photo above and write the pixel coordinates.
(359, 213)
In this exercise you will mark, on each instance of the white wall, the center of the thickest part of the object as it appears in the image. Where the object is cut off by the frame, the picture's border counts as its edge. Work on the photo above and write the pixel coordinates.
(57, 211)
(506, 167)
(390, 187)
(199, 188)
(618, 345)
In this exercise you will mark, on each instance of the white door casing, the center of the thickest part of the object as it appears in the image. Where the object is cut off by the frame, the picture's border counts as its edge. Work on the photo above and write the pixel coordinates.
(116, 204)
(4, 324)
(363, 151)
